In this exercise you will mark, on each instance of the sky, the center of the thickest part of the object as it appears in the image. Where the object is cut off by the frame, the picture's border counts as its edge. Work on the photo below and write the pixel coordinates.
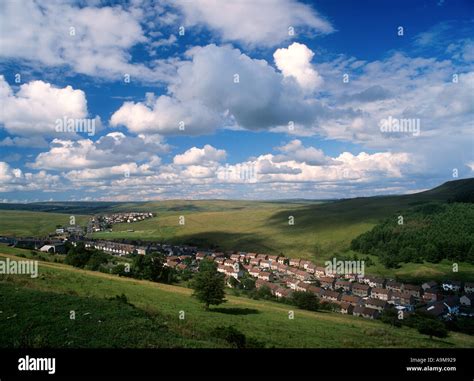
(271, 99)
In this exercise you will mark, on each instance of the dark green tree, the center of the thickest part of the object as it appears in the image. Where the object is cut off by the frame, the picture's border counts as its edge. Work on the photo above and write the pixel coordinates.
(305, 300)
(208, 284)
(432, 327)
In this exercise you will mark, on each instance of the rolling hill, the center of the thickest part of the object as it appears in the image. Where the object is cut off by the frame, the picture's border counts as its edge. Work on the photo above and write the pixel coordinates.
(105, 319)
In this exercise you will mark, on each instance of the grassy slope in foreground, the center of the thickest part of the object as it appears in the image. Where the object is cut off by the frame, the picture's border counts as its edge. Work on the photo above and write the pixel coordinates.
(264, 321)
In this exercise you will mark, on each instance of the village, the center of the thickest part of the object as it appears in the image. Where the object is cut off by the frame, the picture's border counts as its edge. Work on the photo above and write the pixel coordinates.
(104, 222)
(350, 293)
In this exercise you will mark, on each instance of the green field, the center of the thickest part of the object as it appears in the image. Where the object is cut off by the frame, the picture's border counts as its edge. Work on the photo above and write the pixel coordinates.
(321, 230)
(44, 319)
(21, 223)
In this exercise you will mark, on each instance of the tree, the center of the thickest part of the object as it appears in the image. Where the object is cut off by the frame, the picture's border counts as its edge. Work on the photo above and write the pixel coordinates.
(208, 284)
(432, 327)
(305, 300)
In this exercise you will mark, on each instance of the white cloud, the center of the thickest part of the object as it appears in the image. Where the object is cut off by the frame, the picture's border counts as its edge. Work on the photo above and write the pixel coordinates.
(200, 156)
(110, 150)
(295, 61)
(166, 115)
(36, 106)
(264, 22)
(295, 150)
(99, 43)
(205, 95)
(14, 179)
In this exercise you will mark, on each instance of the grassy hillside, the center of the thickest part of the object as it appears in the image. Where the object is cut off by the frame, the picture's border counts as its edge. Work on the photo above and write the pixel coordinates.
(264, 321)
(320, 229)
(20, 223)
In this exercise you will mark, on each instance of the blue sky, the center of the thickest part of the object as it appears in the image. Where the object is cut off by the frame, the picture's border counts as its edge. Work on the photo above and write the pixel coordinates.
(275, 99)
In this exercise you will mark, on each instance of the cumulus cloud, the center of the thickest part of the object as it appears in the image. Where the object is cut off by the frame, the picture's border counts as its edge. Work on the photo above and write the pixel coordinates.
(14, 179)
(295, 61)
(90, 40)
(260, 23)
(295, 150)
(167, 116)
(220, 86)
(200, 156)
(35, 107)
(110, 150)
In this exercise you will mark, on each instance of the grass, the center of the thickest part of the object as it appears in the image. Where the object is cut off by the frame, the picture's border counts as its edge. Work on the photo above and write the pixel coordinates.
(20, 223)
(267, 322)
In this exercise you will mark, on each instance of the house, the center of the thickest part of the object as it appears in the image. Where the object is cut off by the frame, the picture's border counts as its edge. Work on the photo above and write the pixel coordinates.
(360, 289)
(265, 276)
(344, 284)
(330, 295)
(282, 268)
(327, 282)
(228, 262)
(265, 264)
(283, 292)
(346, 308)
(402, 298)
(394, 286)
(469, 287)
(375, 282)
(302, 275)
(282, 260)
(314, 290)
(319, 271)
(292, 283)
(254, 271)
(311, 268)
(220, 268)
(173, 264)
(451, 285)
(431, 295)
(273, 258)
(235, 257)
(429, 285)
(251, 255)
(437, 309)
(234, 271)
(262, 257)
(304, 264)
(413, 290)
(376, 304)
(255, 262)
(219, 261)
(365, 312)
(295, 262)
(467, 300)
(301, 286)
(181, 267)
(380, 293)
(200, 255)
(274, 266)
(351, 299)
(260, 283)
